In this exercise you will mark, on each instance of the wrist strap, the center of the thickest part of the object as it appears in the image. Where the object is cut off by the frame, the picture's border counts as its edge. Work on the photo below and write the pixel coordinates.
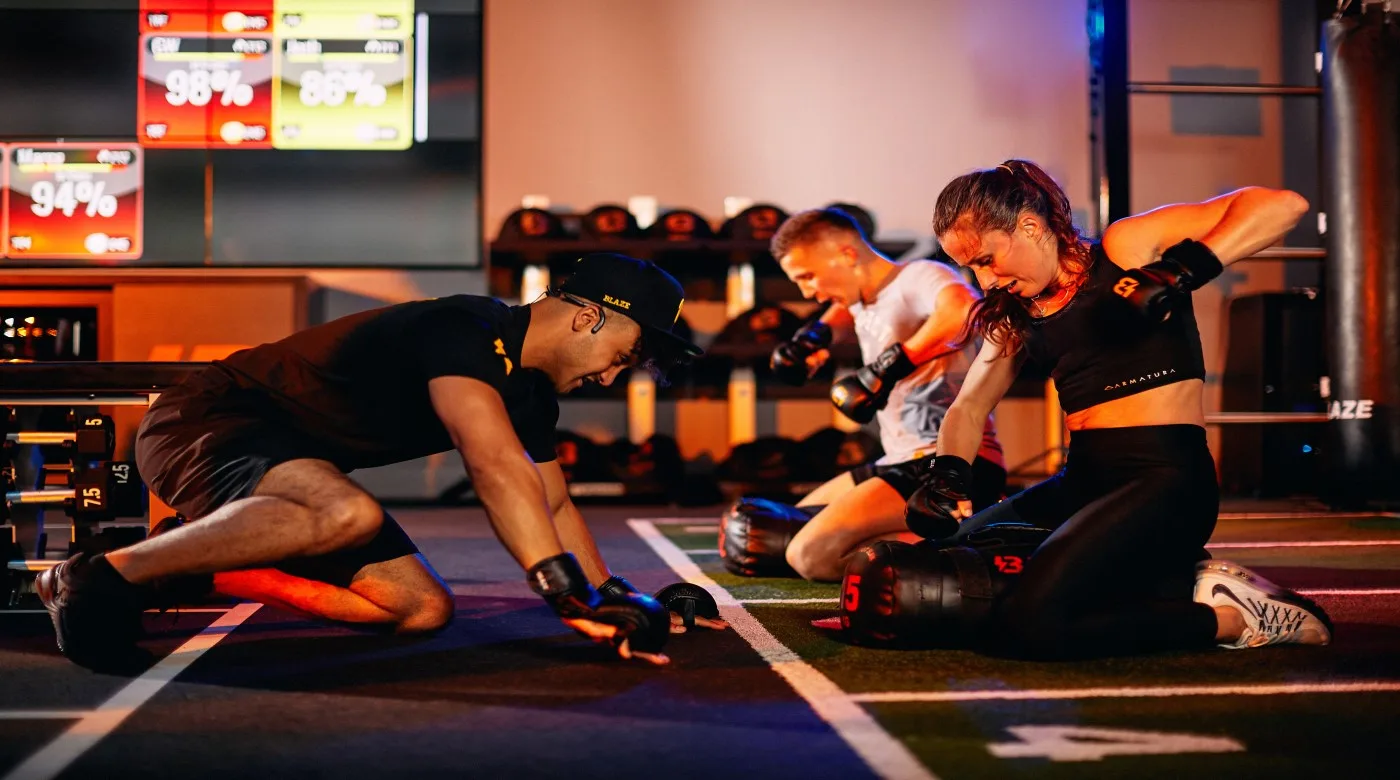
(893, 364)
(557, 575)
(816, 333)
(616, 587)
(952, 464)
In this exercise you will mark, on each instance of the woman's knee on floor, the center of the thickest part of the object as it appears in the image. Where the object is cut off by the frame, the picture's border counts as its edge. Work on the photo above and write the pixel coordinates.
(1029, 627)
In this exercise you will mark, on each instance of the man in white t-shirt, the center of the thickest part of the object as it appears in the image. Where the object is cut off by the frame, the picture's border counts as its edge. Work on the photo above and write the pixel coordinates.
(908, 319)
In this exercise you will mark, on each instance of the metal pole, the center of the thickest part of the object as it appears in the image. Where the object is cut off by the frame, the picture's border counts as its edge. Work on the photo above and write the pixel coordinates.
(1289, 253)
(1169, 88)
(1273, 418)
(1117, 127)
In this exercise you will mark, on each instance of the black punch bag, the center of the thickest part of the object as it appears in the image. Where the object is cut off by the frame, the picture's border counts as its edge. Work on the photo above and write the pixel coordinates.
(1361, 171)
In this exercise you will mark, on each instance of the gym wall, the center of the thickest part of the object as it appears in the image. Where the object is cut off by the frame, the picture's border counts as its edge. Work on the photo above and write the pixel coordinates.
(801, 102)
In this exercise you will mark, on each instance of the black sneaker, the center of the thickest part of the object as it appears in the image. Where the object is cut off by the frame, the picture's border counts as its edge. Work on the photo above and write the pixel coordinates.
(96, 614)
(169, 593)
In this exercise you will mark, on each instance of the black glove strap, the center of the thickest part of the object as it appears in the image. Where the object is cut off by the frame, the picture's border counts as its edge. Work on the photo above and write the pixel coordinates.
(958, 471)
(557, 576)
(616, 587)
(816, 335)
(1197, 261)
(893, 364)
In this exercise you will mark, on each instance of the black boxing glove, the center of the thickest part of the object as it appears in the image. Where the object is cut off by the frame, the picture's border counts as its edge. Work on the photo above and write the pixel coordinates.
(789, 359)
(616, 588)
(754, 534)
(1154, 288)
(930, 512)
(638, 618)
(862, 394)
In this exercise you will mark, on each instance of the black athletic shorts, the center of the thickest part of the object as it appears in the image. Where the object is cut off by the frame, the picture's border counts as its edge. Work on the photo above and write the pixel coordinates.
(988, 479)
(198, 457)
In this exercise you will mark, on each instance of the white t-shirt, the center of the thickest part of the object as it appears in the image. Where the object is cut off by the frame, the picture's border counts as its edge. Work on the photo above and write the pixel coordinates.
(909, 423)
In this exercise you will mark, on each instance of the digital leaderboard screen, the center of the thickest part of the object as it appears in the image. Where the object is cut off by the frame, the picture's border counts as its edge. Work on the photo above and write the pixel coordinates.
(230, 132)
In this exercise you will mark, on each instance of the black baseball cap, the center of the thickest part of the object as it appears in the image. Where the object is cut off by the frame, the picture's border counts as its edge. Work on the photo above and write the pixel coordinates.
(639, 289)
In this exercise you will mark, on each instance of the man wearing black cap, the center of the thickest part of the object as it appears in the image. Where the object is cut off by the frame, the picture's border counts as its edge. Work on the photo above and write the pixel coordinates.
(255, 451)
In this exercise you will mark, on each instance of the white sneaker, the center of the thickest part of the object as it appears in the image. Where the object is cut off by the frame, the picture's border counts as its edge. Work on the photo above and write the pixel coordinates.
(1272, 615)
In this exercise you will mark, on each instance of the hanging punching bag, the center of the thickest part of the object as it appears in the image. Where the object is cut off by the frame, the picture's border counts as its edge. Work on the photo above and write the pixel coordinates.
(1361, 171)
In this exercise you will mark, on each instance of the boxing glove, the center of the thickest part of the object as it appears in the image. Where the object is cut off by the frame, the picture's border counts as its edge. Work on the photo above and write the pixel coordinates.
(1152, 290)
(789, 359)
(931, 511)
(640, 619)
(860, 395)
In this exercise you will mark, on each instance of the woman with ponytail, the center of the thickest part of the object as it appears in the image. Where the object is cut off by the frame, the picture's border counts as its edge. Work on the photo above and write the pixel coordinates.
(1123, 571)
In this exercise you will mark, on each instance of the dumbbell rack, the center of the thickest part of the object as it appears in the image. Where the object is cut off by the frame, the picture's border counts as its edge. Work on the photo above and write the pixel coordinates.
(79, 385)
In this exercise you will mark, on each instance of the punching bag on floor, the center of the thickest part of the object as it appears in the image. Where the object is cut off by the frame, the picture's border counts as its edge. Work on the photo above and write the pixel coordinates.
(1361, 171)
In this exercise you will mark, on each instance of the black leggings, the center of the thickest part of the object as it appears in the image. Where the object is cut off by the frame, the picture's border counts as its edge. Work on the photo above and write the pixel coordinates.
(1132, 511)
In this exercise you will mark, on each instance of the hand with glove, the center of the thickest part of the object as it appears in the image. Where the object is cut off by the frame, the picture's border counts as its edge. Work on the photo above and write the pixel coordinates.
(797, 359)
(1152, 290)
(862, 394)
(689, 605)
(943, 500)
(636, 625)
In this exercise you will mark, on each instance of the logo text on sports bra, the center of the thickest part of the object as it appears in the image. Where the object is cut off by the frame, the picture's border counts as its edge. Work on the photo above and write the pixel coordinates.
(501, 350)
(1138, 379)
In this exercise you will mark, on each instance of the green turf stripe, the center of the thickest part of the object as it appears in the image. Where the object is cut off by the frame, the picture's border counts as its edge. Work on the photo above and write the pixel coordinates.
(862, 669)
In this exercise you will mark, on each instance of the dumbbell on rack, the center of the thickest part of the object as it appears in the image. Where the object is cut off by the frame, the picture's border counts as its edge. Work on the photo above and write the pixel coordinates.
(106, 491)
(91, 437)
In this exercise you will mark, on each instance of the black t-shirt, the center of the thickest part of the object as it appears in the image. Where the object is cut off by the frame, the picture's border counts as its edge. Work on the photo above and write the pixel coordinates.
(357, 387)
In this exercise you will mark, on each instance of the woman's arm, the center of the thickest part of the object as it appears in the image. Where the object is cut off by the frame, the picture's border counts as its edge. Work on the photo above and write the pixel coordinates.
(1234, 226)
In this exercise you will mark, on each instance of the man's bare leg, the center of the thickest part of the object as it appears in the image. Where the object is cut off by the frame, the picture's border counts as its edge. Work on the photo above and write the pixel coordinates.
(405, 593)
(300, 508)
(829, 491)
(861, 514)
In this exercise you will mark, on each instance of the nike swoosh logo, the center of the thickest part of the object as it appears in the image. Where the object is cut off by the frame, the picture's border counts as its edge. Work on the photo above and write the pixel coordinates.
(1219, 589)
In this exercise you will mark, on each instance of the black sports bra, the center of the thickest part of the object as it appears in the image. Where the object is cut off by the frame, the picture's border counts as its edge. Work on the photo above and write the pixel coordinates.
(1096, 354)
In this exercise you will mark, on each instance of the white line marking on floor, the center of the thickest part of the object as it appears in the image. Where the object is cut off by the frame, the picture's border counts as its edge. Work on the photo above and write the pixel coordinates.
(149, 611)
(1306, 593)
(896, 697)
(1211, 546)
(1349, 592)
(43, 714)
(83, 735)
(1320, 543)
(885, 755)
(701, 529)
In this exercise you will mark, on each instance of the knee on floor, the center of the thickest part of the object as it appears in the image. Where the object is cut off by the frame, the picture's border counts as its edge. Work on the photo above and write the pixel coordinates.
(431, 611)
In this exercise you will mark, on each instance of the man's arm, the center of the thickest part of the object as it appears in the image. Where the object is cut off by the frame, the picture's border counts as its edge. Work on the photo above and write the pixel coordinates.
(569, 524)
(951, 309)
(502, 474)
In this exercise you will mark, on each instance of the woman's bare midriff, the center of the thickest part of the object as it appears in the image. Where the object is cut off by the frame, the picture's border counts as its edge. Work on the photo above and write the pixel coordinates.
(1175, 404)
